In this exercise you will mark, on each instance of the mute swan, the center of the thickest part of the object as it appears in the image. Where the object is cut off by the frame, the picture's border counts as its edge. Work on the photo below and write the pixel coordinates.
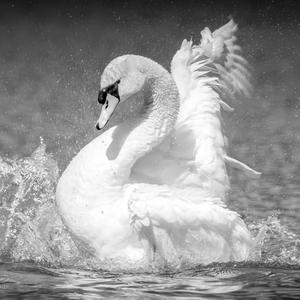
(155, 184)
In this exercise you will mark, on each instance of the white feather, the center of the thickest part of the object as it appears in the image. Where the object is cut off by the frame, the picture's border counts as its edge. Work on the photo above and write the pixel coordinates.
(180, 216)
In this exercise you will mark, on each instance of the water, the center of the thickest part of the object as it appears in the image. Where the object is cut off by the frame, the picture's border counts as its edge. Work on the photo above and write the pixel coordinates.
(217, 281)
(49, 89)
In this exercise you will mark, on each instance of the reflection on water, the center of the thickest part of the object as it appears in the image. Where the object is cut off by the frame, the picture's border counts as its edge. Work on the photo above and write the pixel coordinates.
(218, 281)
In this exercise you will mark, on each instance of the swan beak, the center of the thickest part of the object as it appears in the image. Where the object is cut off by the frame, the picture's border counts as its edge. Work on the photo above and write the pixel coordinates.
(107, 110)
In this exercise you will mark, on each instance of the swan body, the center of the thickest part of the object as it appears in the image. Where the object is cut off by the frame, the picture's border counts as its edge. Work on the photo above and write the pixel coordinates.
(155, 184)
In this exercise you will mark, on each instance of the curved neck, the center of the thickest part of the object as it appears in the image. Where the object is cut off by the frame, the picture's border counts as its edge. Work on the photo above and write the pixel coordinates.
(147, 131)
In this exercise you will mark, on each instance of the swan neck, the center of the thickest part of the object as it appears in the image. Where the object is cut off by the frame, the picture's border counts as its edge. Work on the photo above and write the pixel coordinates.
(147, 131)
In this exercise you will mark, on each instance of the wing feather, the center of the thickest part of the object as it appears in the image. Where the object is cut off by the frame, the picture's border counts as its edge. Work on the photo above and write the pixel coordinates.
(206, 75)
(176, 215)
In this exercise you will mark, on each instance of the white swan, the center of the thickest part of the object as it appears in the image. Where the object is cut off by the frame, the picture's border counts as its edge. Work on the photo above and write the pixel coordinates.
(154, 185)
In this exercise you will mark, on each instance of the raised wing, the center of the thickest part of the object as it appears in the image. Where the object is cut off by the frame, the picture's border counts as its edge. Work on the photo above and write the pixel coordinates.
(216, 60)
(194, 155)
(206, 74)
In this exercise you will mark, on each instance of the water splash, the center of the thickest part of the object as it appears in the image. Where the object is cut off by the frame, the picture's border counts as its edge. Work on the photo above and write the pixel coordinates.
(30, 227)
(32, 230)
(279, 244)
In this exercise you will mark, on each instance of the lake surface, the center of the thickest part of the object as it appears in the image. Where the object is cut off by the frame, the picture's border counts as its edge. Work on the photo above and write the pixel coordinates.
(50, 68)
(217, 281)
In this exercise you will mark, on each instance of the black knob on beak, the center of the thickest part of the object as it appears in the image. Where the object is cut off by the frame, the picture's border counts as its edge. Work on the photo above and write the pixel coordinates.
(97, 126)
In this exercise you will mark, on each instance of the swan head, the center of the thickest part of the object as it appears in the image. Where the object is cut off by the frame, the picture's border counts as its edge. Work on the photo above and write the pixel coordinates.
(120, 80)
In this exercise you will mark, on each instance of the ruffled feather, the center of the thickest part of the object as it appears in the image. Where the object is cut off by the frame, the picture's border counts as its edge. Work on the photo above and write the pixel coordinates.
(207, 74)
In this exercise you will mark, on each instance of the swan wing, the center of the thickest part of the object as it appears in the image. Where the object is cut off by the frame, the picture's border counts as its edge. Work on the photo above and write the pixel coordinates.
(195, 153)
(206, 74)
(215, 61)
(201, 227)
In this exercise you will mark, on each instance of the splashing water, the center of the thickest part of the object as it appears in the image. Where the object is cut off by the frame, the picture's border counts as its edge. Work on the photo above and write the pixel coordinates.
(31, 229)
(280, 245)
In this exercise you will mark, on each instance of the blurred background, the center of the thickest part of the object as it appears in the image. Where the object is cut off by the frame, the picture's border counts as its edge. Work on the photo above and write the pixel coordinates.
(52, 54)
